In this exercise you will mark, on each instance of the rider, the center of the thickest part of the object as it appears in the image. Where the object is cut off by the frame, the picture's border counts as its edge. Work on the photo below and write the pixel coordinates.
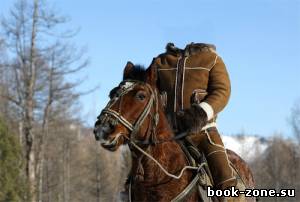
(195, 87)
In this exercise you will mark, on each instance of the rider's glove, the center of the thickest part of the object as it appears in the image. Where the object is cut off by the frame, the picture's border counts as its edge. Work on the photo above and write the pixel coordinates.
(192, 119)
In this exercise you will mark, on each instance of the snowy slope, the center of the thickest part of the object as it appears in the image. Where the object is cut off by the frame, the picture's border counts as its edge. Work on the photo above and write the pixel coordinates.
(246, 146)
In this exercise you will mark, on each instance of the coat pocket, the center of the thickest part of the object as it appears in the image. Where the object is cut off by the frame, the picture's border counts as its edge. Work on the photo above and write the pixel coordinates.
(198, 95)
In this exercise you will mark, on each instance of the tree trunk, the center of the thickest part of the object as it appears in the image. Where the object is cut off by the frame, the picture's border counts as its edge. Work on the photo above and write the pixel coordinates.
(29, 108)
(48, 190)
(40, 172)
(44, 135)
(66, 172)
(98, 176)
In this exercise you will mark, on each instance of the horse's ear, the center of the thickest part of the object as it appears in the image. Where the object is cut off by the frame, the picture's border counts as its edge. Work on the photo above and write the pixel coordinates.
(128, 69)
(151, 74)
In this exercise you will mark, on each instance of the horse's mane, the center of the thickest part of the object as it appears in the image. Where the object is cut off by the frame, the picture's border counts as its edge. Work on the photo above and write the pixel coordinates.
(138, 73)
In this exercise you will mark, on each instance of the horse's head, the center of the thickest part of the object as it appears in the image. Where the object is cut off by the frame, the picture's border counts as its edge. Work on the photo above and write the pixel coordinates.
(133, 110)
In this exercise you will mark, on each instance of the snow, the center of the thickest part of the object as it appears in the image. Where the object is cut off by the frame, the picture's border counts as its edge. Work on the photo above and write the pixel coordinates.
(246, 146)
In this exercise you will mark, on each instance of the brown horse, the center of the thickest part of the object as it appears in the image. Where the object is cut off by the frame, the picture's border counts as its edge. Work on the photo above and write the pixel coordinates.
(135, 116)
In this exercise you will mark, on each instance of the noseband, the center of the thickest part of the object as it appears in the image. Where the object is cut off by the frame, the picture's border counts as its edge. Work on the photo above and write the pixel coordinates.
(125, 87)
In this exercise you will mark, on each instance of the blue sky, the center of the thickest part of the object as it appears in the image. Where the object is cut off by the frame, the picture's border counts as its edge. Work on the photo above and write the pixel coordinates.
(259, 40)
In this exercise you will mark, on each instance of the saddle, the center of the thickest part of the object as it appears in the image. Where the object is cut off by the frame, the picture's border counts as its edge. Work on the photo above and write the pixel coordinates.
(203, 178)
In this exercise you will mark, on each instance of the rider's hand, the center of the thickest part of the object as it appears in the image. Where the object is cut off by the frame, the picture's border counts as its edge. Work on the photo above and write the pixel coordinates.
(192, 119)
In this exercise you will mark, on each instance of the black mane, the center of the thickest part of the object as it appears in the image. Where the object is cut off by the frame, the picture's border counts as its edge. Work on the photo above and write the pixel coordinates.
(138, 73)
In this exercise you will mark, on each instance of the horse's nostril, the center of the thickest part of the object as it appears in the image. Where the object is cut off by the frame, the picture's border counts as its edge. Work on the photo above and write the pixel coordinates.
(104, 129)
(108, 128)
(112, 125)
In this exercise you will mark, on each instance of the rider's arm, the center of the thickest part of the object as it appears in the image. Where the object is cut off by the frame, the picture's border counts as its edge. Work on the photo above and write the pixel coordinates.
(218, 89)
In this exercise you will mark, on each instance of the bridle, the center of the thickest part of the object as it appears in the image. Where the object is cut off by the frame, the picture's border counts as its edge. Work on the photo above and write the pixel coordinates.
(125, 87)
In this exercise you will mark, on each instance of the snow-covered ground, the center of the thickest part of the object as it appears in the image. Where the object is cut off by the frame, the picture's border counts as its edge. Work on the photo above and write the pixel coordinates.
(246, 146)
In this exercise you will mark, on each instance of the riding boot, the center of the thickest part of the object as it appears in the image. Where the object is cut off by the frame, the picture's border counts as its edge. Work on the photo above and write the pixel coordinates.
(210, 142)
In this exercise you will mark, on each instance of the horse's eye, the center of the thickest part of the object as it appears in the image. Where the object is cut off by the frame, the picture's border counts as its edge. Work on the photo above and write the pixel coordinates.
(140, 96)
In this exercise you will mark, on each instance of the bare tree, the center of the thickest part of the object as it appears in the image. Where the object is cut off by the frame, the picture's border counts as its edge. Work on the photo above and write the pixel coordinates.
(3, 80)
(278, 167)
(295, 120)
(40, 59)
(295, 124)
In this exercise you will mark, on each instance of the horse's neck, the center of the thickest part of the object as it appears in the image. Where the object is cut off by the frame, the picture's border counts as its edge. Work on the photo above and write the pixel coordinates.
(168, 154)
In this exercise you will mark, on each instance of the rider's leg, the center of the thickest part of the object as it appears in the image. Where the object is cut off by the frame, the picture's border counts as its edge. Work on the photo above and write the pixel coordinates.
(211, 144)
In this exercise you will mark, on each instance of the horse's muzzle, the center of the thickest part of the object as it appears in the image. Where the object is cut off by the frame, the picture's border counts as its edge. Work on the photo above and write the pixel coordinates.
(103, 130)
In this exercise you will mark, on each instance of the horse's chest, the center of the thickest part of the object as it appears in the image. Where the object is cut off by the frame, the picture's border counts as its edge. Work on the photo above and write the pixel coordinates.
(151, 194)
(161, 193)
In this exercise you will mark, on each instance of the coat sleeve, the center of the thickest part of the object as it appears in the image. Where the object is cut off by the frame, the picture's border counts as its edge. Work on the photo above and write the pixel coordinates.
(218, 89)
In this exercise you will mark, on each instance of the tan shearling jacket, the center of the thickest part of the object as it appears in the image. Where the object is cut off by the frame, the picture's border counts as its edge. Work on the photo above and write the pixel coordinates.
(196, 74)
